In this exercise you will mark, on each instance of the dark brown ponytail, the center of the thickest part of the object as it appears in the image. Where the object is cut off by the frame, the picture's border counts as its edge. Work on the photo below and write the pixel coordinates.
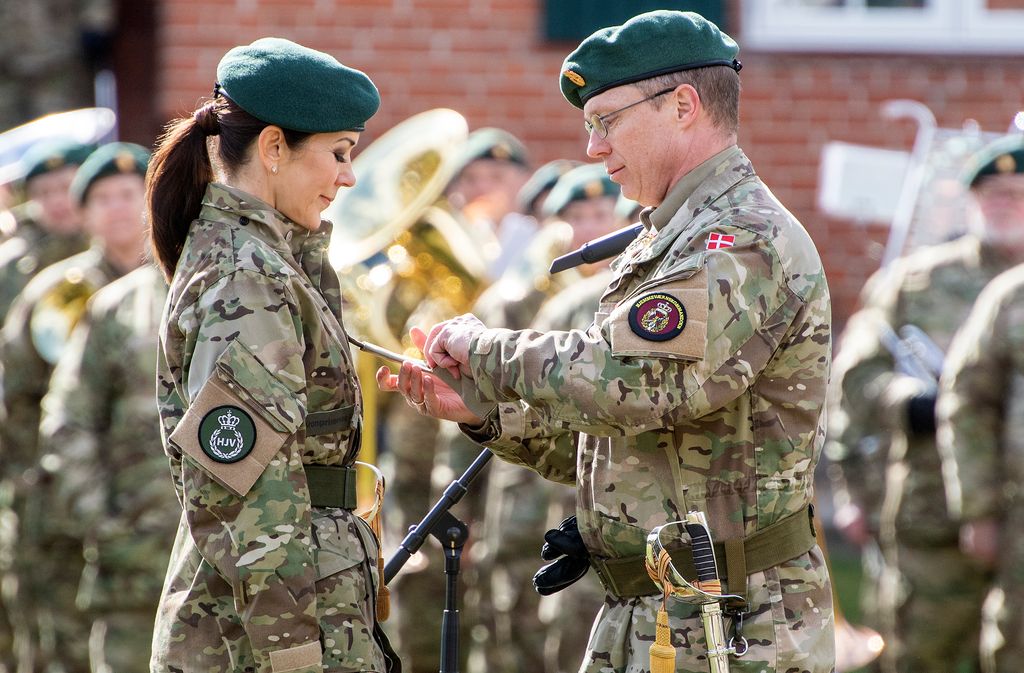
(175, 183)
(180, 170)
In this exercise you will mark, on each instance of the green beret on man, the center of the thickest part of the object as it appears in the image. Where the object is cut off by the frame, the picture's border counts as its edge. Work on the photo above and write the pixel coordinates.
(108, 160)
(1004, 156)
(494, 144)
(542, 180)
(297, 88)
(589, 181)
(648, 45)
(47, 156)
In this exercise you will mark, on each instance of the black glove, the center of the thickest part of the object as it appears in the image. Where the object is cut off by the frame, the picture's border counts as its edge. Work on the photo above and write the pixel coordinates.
(921, 415)
(571, 560)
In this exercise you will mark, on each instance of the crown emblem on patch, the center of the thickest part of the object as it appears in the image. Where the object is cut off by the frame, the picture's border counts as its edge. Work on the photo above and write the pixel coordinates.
(574, 77)
(228, 420)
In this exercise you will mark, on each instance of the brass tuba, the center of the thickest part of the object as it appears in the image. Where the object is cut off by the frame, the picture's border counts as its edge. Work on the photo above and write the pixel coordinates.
(403, 256)
(58, 311)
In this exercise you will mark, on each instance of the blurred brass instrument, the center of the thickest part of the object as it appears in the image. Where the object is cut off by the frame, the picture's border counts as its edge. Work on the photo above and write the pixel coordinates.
(59, 310)
(404, 258)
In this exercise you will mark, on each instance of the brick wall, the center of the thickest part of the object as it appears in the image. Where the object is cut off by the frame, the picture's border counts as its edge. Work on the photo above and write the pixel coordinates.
(486, 59)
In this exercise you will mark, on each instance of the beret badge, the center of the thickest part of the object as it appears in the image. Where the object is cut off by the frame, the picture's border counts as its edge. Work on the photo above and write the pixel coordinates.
(124, 162)
(574, 77)
(1006, 164)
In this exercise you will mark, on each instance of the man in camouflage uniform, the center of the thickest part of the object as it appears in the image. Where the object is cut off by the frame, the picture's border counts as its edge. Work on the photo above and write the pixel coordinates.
(47, 227)
(109, 189)
(930, 593)
(110, 488)
(525, 631)
(701, 384)
(979, 411)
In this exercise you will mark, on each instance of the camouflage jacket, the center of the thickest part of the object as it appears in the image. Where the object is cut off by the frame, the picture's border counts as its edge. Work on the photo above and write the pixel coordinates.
(34, 334)
(98, 429)
(251, 346)
(980, 409)
(700, 385)
(933, 290)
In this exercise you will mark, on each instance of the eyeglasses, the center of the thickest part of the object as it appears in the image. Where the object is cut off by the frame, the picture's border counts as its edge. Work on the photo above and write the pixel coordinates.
(598, 122)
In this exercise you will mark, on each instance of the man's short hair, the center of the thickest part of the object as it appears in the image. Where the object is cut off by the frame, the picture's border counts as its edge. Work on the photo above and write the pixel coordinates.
(718, 88)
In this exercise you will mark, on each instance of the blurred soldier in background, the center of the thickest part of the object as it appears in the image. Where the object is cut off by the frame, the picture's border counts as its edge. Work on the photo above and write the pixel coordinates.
(884, 391)
(580, 207)
(47, 227)
(981, 418)
(108, 188)
(110, 488)
(492, 168)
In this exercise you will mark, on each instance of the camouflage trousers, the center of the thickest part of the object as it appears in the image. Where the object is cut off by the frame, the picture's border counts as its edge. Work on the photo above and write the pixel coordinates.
(789, 627)
(930, 601)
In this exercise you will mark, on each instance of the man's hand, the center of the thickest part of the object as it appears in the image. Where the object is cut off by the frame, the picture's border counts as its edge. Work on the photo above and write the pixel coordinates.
(447, 344)
(426, 393)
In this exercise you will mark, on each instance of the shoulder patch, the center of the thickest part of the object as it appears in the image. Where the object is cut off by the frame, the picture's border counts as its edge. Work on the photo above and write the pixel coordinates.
(657, 316)
(667, 320)
(227, 434)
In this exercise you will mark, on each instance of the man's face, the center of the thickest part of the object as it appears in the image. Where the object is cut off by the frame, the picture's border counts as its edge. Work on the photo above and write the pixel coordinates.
(113, 210)
(590, 218)
(490, 183)
(640, 152)
(1001, 200)
(55, 211)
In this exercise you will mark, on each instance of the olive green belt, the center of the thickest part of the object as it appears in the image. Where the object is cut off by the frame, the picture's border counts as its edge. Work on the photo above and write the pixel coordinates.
(785, 539)
(331, 486)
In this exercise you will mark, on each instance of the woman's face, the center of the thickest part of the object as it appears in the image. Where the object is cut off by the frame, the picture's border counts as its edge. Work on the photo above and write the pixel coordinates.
(310, 175)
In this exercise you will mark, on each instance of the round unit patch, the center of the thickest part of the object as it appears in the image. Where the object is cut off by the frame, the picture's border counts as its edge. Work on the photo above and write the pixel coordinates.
(227, 434)
(657, 317)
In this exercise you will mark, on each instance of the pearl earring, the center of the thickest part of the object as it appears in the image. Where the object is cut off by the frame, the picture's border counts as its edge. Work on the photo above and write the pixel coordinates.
(273, 169)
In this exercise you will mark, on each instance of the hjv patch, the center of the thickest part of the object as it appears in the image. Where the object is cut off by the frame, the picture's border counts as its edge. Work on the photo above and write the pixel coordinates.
(227, 434)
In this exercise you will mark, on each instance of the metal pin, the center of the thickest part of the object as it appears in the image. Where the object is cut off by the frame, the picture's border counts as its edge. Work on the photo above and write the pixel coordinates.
(386, 354)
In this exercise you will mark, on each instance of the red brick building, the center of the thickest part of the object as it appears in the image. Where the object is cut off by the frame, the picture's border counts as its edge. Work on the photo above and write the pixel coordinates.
(814, 72)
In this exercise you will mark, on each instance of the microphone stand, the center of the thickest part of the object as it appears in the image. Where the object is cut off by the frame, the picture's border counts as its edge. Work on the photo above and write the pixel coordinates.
(452, 534)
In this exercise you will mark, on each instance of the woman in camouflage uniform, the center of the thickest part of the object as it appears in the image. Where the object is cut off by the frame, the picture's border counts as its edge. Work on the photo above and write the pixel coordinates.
(260, 407)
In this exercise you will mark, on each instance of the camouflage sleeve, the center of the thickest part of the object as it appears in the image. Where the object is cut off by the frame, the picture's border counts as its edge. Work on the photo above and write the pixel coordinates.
(25, 376)
(252, 521)
(973, 392)
(521, 435)
(579, 381)
(75, 417)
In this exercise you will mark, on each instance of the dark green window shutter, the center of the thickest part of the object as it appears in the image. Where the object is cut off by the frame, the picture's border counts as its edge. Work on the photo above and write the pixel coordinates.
(573, 20)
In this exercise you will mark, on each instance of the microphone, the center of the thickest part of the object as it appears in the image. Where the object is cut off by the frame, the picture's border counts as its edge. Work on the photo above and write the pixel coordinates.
(604, 247)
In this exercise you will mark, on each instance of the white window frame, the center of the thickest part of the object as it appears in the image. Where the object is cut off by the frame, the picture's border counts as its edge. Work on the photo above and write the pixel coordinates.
(942, 27)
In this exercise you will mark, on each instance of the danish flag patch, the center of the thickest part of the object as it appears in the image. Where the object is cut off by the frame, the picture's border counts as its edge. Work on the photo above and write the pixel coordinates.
(717, 241)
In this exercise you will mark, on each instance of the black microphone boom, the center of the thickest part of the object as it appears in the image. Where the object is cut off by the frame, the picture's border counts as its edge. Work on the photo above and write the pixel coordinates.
(607, 246)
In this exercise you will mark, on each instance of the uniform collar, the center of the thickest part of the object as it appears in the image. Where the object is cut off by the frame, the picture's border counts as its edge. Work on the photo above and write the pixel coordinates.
(262, 220)
(692, 195)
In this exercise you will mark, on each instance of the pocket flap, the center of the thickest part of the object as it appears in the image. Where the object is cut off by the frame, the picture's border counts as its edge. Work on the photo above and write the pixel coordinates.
(340, 543)
(663, 320)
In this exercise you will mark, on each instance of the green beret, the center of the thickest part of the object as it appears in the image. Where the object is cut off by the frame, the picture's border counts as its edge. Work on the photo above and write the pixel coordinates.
(1000, 157)
(112, 159)
(51, 155)
(542, 180)
(648, 45)
(581, 183)
(491, 143)
(297, 88)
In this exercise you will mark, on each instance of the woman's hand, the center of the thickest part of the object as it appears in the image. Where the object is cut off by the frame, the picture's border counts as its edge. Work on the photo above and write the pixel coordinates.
(427, 394)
